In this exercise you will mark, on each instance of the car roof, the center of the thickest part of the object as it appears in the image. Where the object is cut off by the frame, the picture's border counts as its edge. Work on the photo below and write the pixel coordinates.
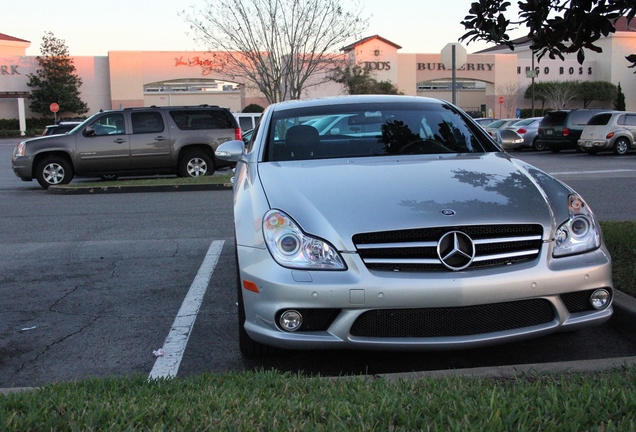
(352, 99)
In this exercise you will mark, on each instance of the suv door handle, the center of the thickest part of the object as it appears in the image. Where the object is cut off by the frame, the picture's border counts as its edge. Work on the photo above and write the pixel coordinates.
(120, 140)
(161, 138)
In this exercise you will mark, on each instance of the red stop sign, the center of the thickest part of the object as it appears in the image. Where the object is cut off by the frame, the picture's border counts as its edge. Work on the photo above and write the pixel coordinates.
(500, 99)
(54, 107)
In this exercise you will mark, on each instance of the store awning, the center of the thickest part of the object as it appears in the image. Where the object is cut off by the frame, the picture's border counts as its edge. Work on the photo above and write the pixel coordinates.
(14, 95)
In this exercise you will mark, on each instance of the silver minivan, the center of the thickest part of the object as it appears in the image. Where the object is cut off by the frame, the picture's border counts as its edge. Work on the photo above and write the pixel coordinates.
(615, 131)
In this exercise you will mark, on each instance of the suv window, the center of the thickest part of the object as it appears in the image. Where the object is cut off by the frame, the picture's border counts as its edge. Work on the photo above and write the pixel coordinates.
(600, 119)
(554, 118)
(203, 119)
(147, 122)
(109, 124)
(580, 117)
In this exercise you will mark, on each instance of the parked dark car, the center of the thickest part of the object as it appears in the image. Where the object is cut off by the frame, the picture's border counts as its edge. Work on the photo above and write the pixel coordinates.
(60, 128)
(561, 129)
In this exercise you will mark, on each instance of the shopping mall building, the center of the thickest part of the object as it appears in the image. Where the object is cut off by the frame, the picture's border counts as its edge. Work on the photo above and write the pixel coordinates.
(492, 81)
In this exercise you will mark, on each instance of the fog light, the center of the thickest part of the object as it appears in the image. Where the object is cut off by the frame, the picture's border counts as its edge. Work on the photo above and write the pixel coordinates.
(600, 299)
(290, 320)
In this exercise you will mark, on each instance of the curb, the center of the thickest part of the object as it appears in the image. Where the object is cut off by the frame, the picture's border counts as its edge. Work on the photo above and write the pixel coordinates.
(65, 190)
(624, 315)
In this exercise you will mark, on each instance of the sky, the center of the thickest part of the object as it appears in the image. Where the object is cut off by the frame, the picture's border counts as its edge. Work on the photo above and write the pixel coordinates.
(92, 28)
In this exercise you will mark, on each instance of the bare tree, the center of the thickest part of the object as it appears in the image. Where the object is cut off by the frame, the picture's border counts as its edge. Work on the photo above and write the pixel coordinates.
(511, 95)
(276, 45)
(557, 94)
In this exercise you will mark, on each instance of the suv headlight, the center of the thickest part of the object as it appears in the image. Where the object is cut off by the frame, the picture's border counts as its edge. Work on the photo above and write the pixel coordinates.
(19, 149)
(292, 248)
(580, 233)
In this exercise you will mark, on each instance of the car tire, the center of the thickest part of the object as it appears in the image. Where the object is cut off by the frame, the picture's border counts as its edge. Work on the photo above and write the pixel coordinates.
(53, 170)
(538, 146)
(621, 147)
(195, 163)
(248, 346)
(109, 177)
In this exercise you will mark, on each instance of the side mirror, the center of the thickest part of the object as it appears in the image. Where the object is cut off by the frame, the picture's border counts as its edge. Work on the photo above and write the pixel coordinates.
(89, 131)
(231, 151)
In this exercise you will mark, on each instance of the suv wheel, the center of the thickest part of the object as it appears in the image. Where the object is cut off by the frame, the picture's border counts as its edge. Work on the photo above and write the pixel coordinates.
(53, 170)
(538, 145)
(195, 163)
(621, 147)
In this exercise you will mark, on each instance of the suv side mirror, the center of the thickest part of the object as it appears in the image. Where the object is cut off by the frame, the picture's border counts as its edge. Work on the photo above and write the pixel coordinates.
(89, 131)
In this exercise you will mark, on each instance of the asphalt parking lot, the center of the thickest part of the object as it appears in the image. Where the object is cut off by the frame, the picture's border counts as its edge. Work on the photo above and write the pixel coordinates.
(93, 284)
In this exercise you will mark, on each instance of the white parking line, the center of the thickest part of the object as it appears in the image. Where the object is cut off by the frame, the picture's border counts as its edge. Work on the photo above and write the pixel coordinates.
(167, 365)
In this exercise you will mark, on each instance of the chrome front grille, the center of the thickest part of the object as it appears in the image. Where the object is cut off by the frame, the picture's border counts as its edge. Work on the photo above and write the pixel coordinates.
(420, 249)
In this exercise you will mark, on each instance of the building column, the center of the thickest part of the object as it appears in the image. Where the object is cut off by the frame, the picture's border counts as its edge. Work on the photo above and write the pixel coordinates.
(22, 116)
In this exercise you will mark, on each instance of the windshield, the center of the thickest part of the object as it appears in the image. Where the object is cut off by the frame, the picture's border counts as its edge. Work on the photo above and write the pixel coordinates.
(358, 130)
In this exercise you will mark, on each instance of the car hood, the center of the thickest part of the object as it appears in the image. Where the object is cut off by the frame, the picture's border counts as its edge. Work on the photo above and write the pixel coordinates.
(335, 199)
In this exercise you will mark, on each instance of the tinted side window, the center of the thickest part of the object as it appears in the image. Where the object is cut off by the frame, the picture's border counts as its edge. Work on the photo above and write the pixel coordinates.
(109, 124)
(556, 118)
(600, 119)
(147, 122)
(580, 117)
(203, 119)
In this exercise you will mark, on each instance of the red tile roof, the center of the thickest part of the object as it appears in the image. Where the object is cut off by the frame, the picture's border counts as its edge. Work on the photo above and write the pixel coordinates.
(367, 39)
(5, 37)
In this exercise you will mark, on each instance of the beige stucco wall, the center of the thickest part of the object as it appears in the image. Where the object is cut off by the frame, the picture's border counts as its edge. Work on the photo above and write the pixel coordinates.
(93, 71)
(118, 79)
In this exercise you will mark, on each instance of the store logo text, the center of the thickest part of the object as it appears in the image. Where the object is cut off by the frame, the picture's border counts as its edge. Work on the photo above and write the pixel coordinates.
(9, 70)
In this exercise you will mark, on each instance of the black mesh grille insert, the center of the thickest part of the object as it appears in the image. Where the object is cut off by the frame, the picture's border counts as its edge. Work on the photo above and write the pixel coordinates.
(460, 321)
(578, 301)
(315, 319)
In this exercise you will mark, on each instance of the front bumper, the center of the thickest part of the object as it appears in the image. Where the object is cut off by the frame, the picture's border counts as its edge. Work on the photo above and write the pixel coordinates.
(357, 291)
(23, 167)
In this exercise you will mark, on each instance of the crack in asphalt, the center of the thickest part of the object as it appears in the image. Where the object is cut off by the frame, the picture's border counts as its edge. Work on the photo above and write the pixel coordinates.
(176, 244)
(51, 345)
(56, 302)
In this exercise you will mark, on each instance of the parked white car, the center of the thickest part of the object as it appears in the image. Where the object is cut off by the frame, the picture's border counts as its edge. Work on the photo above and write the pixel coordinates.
(610, 131)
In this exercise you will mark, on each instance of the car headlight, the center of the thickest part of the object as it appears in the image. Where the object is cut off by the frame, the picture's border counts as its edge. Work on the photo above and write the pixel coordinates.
(579, 233)
(292, 248)
(20, 149)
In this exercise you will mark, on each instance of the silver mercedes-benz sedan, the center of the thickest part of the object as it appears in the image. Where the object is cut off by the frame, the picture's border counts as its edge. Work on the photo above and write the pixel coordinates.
(404, 226)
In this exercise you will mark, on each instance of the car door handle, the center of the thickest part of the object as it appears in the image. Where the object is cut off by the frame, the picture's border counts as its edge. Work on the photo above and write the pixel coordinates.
(120, 140)
(161, 138)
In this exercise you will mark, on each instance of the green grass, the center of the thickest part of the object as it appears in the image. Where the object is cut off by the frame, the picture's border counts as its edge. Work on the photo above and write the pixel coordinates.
(273, 401)
(620, 238)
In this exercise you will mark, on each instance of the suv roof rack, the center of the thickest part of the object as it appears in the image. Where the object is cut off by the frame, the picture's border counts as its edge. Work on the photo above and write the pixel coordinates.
(172, 107)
